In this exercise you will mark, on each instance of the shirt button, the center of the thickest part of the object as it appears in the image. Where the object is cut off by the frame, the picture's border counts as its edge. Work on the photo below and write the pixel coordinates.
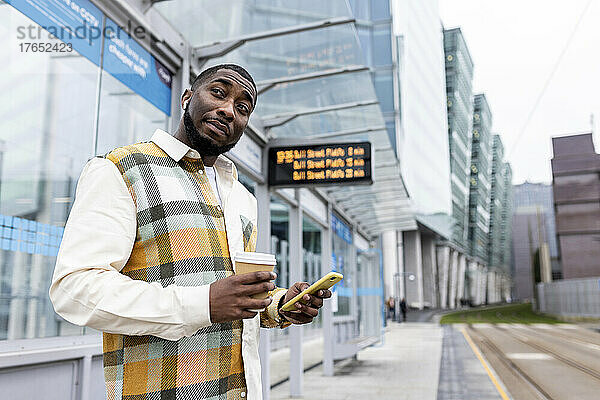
(243, 394)
(219, 208)
(200, 171)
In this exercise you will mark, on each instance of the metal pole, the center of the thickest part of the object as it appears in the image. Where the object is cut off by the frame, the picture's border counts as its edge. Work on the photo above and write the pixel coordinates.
(263, 245)
(327, 309)
(296, 272)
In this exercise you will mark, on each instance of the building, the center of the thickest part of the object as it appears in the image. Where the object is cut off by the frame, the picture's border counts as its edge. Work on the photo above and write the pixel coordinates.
(480, 181)
(417, 258)
(506, 243)
(497, 200)
(498, 273)
(60, 109)
(459, 93)
(533, 218)
(507, 212)
(576, 193)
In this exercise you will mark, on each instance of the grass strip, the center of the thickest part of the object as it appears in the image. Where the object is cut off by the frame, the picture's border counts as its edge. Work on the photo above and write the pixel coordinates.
(521, 313)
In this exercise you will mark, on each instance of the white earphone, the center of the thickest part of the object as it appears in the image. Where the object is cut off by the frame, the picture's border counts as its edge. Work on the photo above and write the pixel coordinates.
(185, 104)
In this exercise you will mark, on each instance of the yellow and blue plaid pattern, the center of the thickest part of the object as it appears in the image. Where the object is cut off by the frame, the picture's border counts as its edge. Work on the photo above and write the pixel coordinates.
(181, 239)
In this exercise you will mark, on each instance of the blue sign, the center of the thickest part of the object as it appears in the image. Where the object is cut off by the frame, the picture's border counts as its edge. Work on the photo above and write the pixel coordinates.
(77, 22)
(341, 229)
(81, 24)
(135, 67)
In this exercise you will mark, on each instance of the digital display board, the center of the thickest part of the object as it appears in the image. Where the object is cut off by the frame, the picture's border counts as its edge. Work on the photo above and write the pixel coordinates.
(323, 164)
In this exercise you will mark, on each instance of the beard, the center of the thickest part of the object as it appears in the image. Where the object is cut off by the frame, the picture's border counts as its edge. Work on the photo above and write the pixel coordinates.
(200, 143)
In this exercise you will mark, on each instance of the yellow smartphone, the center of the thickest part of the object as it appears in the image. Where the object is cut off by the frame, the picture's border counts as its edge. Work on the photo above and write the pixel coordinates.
(324, 283)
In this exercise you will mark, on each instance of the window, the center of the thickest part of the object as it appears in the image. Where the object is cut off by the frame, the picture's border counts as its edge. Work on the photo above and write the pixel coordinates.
(48, 107)
(47, 134)
(125, 117)
(343, 262)
(311, 256)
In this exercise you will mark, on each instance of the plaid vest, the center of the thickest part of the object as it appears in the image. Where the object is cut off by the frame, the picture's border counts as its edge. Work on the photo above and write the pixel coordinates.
(181, 239)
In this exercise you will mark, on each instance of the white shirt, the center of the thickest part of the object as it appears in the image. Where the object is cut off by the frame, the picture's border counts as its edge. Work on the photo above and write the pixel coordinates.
(212, 179)
(88, 288)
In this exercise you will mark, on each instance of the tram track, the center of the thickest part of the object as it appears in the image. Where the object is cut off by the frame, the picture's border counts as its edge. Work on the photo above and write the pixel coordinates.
(517, 371)
(566, 360)
(578, 340)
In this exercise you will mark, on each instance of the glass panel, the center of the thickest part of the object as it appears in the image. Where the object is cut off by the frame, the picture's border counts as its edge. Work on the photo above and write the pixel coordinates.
(311, 255)
(331, 121)
(47, 106)
(322, 92)
(360, 8)
(280, 217)
(384, 87)
(244, 17)
(365, 38)
(382, 53)
(369, 295)
(125, 117)
(298, 53)
(341, 259)
(380, 9)
(247, 182)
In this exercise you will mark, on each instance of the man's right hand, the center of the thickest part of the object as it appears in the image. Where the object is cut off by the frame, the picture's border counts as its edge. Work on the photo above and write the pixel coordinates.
(230, 297)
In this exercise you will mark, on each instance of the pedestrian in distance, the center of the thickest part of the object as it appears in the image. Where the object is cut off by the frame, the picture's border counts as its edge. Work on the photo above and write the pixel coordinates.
(403, 309)
(146, 256)
(391, 310)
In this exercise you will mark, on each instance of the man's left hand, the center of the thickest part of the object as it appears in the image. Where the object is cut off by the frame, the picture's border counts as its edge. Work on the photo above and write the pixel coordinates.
(304, 313)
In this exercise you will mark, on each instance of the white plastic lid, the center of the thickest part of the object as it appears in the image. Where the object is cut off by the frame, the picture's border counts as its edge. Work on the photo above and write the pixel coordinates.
(255, 258)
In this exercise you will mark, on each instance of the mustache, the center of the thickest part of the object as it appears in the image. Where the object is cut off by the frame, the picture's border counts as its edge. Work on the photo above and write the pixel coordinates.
(220, 121)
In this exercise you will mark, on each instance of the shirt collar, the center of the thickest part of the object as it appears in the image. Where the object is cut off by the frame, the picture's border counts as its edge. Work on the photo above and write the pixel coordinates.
(176, 149)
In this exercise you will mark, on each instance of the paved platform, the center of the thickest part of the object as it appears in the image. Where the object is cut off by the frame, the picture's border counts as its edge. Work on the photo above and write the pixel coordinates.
(413, 359)
(405, 366)
(462, 375)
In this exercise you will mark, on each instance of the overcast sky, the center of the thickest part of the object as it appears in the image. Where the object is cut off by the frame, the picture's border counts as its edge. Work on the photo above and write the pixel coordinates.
(515, 45)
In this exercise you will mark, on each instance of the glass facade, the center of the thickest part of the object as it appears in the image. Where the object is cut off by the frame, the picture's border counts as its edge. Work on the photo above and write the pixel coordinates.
(51, 102)
(459, 98)
(497, 200)
(479, 184)
(374, 25)
(243, 17)
(507, 216)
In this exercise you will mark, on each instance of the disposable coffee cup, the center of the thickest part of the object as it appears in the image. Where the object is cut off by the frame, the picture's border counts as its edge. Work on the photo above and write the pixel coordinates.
(247, 262)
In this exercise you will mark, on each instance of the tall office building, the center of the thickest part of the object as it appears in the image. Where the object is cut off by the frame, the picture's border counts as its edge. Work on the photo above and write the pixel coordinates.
(497, 200)
(479, 195)
(507, 212)
(576, 188)
(459, 93)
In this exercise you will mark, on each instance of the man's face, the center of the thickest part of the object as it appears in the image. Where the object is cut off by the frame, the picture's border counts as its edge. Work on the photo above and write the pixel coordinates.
(218, 112)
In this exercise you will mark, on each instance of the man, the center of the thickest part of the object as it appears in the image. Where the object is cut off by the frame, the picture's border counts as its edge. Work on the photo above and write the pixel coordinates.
(146, 256)
(403, 309)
